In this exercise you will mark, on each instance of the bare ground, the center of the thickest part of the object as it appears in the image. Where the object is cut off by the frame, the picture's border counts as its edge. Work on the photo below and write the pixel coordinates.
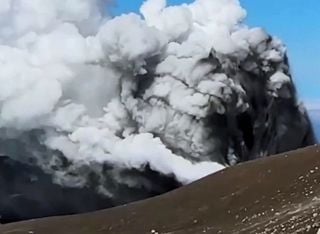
(280, 194)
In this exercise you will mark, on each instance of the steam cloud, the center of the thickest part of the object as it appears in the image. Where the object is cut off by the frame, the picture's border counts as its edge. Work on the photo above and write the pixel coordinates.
(80, 89)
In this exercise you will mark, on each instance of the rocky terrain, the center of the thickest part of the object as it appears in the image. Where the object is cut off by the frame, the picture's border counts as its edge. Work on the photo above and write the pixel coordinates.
(99, 111)
(280, 194)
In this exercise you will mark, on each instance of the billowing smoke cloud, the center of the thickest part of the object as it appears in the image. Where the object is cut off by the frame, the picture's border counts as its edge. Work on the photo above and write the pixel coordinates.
(159, 90)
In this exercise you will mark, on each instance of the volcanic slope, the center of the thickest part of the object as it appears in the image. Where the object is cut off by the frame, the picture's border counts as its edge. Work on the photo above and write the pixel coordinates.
(280, 194)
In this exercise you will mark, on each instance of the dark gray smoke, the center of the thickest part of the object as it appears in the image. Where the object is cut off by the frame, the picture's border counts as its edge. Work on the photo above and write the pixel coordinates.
(121, 109)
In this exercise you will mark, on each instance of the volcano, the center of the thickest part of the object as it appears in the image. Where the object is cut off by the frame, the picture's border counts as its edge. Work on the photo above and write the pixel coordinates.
(121, 109)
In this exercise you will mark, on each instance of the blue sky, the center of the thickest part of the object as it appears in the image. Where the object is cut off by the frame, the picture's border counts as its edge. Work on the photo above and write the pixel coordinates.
(296, 22)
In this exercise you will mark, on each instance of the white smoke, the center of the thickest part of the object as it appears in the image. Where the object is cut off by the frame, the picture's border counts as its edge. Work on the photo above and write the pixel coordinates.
(71, 71)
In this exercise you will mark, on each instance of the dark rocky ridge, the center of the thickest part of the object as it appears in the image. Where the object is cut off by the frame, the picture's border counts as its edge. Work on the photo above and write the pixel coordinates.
(28, 192)
(274, 195)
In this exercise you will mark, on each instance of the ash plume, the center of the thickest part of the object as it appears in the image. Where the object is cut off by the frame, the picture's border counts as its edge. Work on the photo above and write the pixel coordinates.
(131, 101)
